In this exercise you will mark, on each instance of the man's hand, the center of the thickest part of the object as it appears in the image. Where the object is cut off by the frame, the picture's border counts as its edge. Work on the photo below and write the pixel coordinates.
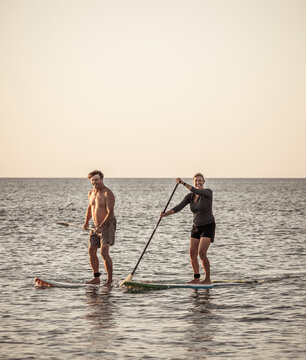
(100, 228)
(85, 226)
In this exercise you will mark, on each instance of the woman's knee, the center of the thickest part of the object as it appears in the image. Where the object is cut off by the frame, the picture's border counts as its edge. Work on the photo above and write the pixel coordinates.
(203, 248)
(194, 246)
(203, 255)
(193, 253)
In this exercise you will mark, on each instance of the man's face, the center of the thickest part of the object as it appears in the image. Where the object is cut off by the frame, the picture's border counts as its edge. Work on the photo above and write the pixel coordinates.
(96, 181)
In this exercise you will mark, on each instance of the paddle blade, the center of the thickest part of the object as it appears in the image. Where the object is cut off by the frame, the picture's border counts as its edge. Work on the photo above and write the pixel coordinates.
(128, 278)
(62, 223)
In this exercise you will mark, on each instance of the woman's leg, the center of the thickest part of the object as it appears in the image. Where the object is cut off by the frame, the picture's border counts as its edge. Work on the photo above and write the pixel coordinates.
(193, 252)
(203, 247)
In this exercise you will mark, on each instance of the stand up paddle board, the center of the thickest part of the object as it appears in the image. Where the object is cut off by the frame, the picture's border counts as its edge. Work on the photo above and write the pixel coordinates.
(141, 285)
(156, 286)
(43, 283)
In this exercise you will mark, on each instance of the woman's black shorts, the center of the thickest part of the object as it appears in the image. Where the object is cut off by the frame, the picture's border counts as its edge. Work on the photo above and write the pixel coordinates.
(204, 231)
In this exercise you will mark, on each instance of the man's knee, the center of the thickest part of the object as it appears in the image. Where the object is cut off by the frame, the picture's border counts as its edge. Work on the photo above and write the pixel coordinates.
(92, 250)
(105, 251)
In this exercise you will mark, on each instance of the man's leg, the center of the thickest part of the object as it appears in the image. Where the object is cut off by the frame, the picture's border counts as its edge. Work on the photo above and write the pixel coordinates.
(108, 263)
(193, 252)
(94, 262)
(203, 247)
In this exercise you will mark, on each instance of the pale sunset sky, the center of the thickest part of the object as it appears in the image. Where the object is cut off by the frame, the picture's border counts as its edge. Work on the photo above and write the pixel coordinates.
(153, 88)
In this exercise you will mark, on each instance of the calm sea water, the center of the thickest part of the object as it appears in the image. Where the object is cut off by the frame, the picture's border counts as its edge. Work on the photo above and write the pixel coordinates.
(260, 235)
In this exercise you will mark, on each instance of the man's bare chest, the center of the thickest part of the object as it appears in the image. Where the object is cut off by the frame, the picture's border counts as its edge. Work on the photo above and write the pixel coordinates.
(97, 200)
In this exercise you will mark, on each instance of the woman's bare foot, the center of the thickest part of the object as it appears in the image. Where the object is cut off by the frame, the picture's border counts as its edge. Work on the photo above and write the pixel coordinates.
(94, 281)
(205, 282)
(194, 281)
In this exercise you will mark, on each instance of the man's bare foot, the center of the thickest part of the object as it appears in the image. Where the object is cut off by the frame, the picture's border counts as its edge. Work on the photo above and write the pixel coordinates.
(194, 281)
(205, 282)
(94, 281)
(108, 284)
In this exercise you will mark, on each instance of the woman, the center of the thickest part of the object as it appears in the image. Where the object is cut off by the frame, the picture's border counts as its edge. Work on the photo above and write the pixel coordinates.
(203, 230)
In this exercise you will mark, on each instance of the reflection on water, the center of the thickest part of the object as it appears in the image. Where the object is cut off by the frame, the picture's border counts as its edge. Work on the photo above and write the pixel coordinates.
(101, 317)
(100, 309)
(200, 300)
(200, 332)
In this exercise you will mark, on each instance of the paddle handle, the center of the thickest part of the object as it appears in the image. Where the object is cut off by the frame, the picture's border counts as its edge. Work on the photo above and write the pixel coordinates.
(144, 250)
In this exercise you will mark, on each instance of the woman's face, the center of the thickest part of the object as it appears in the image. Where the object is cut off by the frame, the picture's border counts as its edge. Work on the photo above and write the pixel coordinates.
(198, 182)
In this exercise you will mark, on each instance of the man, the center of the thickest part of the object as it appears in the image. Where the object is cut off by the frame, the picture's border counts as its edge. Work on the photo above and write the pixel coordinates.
(101, 210)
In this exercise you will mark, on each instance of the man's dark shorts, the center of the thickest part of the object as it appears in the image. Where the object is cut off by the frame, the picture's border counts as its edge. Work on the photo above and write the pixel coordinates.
(207, 231)
(106, 238)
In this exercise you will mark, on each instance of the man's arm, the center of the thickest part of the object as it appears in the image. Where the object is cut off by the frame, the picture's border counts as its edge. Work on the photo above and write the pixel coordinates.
(109, 205)
(88, 214)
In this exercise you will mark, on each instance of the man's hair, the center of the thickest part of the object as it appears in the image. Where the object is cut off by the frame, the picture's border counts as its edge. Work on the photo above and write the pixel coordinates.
(96, 172)
(198, 174)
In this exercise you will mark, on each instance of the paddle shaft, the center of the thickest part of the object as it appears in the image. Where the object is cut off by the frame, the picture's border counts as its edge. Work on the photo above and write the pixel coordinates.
(144, 250)
(74, 225)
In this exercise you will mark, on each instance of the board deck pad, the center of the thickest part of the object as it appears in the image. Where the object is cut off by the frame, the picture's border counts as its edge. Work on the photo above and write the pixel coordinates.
(161, 286)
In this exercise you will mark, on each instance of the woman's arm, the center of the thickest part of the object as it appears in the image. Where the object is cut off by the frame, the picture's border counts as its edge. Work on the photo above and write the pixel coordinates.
(180, 181)
(204, 192)
(167, 213)
(178, 207)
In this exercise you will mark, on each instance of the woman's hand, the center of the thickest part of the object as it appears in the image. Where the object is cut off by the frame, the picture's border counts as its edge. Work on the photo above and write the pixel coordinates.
(167, 213)
(180, 181)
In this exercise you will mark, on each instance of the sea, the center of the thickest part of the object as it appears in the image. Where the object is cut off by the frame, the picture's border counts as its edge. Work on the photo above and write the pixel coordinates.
(260, 237)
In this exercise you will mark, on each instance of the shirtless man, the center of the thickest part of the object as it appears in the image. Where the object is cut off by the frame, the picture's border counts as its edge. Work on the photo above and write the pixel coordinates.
(101, 210)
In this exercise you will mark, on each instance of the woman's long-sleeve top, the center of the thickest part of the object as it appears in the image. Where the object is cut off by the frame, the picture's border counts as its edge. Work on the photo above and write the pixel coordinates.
(202, 208)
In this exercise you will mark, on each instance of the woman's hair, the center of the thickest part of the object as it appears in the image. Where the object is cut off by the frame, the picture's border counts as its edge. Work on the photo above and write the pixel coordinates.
(198, 174)
(95, 172)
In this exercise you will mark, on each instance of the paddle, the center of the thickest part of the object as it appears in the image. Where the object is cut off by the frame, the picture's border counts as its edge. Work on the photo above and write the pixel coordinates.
(75, 225)
(130, 276)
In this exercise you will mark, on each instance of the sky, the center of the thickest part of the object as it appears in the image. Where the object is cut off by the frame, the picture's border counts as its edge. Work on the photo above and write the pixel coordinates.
(153, 88)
